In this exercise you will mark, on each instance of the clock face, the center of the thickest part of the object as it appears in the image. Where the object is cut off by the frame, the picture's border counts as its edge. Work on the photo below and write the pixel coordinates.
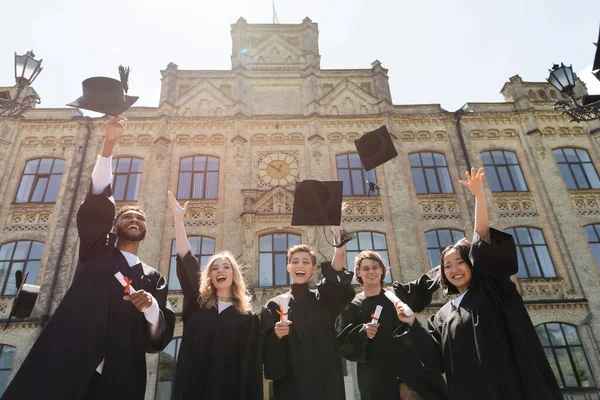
(278, 169)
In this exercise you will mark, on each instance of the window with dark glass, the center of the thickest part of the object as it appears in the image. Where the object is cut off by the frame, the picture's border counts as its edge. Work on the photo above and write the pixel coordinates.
(40, 181)
(503, 171)
(198, 178)
(438, 240)
(368, 241)
(577, 168)
(565, 353)
(272, 258)
(127, 175)
(7, 353)
(202, 248)
(167, 364)
(593, 236)
(23, 255)
(430, 173)
(352, 173)
(532, 252)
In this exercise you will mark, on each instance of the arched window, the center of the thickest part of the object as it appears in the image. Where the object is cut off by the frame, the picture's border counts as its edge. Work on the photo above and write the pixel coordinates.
(40, 181)
(368, 241)
(23, 255)
(565, 353)
(352, 173)
(577, 168)
(593, 236)
(503, 171)
(438, 240)
(430, 173)
(202, 248)
(532, 251)
(272, 258)
(7, 353)
(198, 178)
(127, 175)
(167, 364)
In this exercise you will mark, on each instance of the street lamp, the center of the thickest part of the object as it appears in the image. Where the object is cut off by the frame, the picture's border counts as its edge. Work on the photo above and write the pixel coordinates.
(563, 79)
(27, 68)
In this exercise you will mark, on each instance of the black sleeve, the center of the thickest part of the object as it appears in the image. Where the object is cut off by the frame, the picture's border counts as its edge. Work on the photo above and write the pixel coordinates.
(335, 289)
(418, 293)
(352, 337)
(188, 270)
(95, 219)
(166, 318)
(273, 352)
(426, 344)
(498, 257)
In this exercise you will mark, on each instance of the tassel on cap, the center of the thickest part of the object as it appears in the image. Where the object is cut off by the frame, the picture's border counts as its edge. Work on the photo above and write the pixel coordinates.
(345, 237)
(124, 75)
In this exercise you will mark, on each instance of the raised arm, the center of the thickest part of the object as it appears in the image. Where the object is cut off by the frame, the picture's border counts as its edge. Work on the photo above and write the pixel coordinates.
(96, 214)
(181, 241)
(475, 184)
(339, 255)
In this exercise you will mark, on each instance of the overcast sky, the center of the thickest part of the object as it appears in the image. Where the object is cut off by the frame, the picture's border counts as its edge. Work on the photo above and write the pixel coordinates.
(437, 51)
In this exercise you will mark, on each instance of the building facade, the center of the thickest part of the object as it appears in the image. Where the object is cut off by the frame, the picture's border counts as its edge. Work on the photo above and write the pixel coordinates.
(234, 143)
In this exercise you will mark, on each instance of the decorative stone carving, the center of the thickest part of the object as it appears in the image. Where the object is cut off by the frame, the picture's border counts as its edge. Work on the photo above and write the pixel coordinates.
(29, 217)
(202, 213)
(363, 209)
(542, 288)
(514, 204)
(439, 207)
(586, 203)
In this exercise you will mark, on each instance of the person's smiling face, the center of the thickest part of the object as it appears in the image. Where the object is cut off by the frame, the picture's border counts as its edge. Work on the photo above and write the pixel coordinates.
(457, 271)
(300, 266)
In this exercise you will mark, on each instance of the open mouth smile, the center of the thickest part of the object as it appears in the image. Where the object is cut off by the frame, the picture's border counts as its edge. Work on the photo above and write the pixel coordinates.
(221, 278)
(300, 273)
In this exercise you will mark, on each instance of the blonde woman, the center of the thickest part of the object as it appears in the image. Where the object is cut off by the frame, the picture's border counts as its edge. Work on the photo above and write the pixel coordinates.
(220, 353)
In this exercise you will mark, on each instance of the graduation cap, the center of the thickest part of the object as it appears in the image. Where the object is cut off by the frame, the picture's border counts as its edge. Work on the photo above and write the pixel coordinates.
(24, 300)
(375, 148)
(596, 65)
(106, 95)
(317, 203)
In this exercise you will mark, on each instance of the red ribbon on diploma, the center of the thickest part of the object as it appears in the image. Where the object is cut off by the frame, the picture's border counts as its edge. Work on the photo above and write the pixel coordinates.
(129, 282)
(373, 317)
(281, 315)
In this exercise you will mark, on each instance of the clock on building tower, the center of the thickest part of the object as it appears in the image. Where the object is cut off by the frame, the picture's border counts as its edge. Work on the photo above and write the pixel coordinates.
(278, 169)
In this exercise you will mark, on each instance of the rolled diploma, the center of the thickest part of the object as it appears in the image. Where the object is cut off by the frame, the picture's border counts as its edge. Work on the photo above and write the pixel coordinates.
(121, 280)
(395, 300)
(285, 301)
(376, 314)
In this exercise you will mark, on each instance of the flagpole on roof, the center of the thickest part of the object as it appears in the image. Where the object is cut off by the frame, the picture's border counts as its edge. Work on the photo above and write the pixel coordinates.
(275, 18)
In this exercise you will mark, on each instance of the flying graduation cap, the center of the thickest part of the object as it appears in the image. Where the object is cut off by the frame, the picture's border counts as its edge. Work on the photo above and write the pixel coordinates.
(593, 98)
(317, 203)
(24, 300)
(375, 148)
(106, 95)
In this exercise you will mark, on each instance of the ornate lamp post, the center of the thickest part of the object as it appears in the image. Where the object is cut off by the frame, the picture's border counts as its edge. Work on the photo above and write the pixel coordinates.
(27, 68)
(563, 79)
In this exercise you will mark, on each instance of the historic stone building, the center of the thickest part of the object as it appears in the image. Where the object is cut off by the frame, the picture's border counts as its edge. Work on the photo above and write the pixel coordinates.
(234, 142)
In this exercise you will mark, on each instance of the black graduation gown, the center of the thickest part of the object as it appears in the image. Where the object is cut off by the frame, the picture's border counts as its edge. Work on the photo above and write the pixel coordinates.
(93, 322)
(488, 348)
(306, 364)
(385, 361)
(220, 353)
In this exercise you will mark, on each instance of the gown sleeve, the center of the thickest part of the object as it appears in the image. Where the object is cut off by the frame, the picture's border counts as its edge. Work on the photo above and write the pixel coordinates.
(166, 317)
(188, 270)
(427, 343)
(418, 293)
(95, 219)
(498, 257)
(352, 337)
(273, 352)
(335, 289)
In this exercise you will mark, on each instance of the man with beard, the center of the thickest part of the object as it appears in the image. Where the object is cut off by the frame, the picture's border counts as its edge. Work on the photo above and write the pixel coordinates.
(94, 346)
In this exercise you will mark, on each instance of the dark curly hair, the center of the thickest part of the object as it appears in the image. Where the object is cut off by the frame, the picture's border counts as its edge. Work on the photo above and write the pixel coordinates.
(125, 209)
(463, 251)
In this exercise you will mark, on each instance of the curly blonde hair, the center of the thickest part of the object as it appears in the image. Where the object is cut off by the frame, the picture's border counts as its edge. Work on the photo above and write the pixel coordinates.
(207, 297)
(369, 255)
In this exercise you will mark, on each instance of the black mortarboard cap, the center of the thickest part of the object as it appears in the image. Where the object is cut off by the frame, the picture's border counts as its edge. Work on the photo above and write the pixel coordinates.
(375, 148)
(317, 203)
(24, 300)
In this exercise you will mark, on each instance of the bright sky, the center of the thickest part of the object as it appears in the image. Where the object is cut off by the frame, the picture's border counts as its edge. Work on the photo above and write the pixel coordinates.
(437, 51)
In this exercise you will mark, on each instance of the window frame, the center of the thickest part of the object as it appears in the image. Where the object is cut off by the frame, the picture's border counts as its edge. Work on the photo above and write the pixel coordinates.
(116, 161)
(496, 175)
(273, 253)
(579, 163)
(158, 381)
(25, 261)
(9, 369)
(370, 175)
(204, 174)
(436, 169)
(199, 256)
(36, 178)
(521, 253)
(452, 231)
(596, 228)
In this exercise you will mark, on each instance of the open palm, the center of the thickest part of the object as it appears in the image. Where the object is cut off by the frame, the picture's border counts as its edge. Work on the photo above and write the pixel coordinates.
(474, 181)
(176, 207)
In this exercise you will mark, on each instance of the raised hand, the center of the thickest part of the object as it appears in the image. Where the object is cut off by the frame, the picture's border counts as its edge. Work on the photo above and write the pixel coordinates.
(114, 128)
(474, 182)
(176, 208)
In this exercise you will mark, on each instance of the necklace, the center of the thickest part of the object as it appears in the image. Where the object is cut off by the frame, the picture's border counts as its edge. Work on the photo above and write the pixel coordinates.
(227, 299)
